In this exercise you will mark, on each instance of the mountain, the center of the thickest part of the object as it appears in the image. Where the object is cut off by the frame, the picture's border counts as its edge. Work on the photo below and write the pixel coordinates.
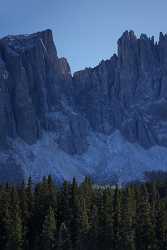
(109, 122)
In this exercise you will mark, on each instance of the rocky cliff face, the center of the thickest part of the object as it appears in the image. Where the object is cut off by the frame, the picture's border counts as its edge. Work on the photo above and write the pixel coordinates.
(35, 87)
(127, 92)
(40, 99)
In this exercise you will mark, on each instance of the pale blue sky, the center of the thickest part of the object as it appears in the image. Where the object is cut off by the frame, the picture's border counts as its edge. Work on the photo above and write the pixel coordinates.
(85, 31)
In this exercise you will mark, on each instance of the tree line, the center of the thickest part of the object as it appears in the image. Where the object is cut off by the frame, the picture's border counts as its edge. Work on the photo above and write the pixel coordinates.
(82, 216)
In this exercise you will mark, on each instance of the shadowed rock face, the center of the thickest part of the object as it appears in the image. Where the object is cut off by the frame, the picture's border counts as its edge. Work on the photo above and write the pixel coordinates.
(34, 85)
(38, 94)
(127, 92)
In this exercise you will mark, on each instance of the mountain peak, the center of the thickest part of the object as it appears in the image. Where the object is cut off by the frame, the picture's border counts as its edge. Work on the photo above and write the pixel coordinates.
(128, 36)
(20, 43)
(53, 123)
(43, 33)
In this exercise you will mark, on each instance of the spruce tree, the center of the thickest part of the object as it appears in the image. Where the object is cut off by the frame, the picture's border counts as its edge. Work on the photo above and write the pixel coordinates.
(75, 215)
(64, 212)
(94, 229)
(15, 233)
(145, 229)
(4, 216)
(128, 221)
(83, 225)
(6, 226)
(49, 230)
(64, 242)
(161, 226)
(108, 220)
(117, 219)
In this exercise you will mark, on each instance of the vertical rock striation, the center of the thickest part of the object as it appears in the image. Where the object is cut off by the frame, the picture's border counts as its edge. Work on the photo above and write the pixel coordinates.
(123, 92)
(38, 95)
(34, 86)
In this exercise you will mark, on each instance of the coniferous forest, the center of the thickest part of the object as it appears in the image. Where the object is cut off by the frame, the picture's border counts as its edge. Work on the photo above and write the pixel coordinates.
(83, 216)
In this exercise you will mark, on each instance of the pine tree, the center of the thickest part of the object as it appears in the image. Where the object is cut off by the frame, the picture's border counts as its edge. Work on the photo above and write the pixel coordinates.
(145, 230)
(51, 193)
(161, 226)
(64, 212)
(15, 231)
(108, 220)
(25, 214)
(49, 230)
(30, 198)
(75, 215)
(64, 242)
(117, 219)
(105, 220)
(29, 229)
(87, 191)
(83, 225)
(6, 229)
(128, 220)
(94, 229)
(4, 216)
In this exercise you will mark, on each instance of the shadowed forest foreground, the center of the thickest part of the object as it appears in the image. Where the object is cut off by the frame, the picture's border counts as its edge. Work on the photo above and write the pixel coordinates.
(83, 217)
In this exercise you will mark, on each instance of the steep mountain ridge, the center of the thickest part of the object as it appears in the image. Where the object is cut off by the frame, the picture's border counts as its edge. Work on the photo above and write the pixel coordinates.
(132, 91)
(49, 116)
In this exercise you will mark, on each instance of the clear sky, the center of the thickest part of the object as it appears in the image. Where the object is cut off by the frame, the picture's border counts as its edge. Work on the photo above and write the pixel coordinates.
(85, 31)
